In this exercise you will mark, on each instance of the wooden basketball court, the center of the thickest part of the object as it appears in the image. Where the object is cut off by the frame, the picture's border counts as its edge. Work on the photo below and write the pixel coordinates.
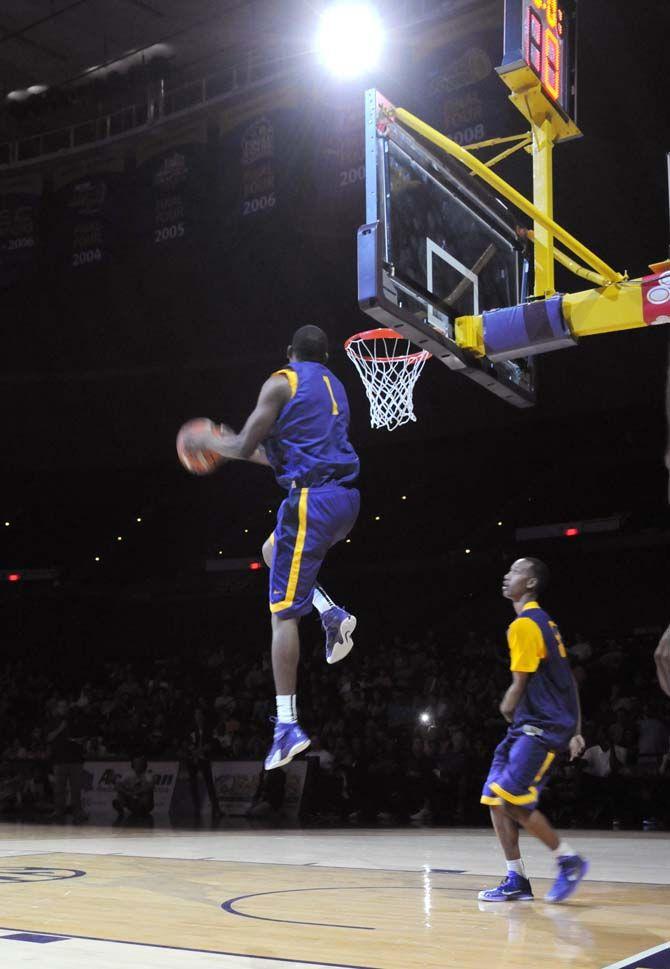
(393, 899)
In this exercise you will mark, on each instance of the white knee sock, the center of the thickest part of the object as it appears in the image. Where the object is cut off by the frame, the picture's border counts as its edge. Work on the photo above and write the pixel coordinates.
(322, 601)
(287, 710)
(564, 848)
(517, 866)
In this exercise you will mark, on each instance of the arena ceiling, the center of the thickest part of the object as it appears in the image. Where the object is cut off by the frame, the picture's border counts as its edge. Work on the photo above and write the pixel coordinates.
(55, 42)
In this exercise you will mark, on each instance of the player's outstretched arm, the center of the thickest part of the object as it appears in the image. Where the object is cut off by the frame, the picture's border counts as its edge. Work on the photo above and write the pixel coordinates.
(577, 743)
(246, 446)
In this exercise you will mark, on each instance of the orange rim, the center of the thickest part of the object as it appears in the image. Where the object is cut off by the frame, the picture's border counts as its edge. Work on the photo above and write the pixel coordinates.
(386, 334)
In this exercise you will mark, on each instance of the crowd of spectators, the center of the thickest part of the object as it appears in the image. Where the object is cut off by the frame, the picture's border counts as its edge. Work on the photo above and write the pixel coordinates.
(401, 732)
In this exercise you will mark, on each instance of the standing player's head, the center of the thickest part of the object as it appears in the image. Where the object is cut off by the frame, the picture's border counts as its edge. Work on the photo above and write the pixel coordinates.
(309, 344)
(527, 578)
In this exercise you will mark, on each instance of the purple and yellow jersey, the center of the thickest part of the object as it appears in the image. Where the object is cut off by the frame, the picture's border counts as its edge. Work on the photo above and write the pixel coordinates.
(549, 703)
(309, 447)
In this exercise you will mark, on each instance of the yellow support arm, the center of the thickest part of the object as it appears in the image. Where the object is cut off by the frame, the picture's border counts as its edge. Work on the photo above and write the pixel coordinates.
(506, 153)
(605, 310)
(469, 333)
(492, 142)
(509, 192)
(589, 313)
(573, 266)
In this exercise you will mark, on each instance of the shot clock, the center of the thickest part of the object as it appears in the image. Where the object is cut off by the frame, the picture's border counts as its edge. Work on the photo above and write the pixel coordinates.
(540, 38)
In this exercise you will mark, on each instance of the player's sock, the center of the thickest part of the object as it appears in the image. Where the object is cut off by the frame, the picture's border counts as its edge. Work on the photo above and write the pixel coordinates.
(517, 866)
(287, 710)
(563, 849)
(321, 600)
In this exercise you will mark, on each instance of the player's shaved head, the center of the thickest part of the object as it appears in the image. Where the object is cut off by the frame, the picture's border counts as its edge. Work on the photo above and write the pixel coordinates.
(309, 343)
(526, 578)
(538, 571)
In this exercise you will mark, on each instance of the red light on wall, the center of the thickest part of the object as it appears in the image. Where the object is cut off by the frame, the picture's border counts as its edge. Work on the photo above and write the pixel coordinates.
(571, 532)
(14, 577)
(255, 566)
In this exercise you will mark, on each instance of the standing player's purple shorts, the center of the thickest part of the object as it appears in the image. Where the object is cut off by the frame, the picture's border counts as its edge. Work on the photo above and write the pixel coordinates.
(309, 522)
(519, 769)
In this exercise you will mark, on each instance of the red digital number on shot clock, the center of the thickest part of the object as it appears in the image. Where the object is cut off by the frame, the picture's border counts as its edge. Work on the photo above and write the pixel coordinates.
(543, 35)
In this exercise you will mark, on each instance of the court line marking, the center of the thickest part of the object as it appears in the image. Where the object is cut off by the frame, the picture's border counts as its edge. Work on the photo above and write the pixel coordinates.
(34, 870)
(317, 864)
(638, 956)
(227, 906)
(273, 864)
(181, 948)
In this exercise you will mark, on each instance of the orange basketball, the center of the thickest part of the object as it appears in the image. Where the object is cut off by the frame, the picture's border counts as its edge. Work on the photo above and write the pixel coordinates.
(194, 459)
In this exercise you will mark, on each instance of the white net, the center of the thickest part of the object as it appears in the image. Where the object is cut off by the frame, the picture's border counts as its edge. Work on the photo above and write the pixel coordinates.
(389, 368)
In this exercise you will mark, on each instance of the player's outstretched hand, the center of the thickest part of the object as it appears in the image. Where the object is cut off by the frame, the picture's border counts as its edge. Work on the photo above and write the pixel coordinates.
(662, 657)
(208, 436)
(577, 746)
(195, 434)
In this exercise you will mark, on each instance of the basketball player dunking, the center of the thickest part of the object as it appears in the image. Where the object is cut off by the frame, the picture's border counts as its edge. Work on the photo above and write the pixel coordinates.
(299, 428)
(542, 708)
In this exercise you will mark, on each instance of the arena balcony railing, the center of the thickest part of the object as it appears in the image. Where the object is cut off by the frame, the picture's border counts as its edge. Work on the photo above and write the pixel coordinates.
(160, 103)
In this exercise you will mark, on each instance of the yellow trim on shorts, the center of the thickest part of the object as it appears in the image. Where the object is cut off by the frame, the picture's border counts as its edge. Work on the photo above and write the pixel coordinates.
(485, 799)
(546, 764)
(519, 799)
(292, 378)
(326, 380)
(294, 572)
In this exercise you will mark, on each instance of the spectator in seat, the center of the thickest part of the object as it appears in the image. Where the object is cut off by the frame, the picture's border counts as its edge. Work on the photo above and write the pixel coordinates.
(135, 791)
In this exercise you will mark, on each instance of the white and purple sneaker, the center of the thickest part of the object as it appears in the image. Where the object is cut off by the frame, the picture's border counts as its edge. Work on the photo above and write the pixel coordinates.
(513, 888)
(339, 626)
(571, 870)
(288, 741)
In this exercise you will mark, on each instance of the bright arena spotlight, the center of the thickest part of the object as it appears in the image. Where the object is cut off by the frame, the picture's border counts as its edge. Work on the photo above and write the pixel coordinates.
(350, 39)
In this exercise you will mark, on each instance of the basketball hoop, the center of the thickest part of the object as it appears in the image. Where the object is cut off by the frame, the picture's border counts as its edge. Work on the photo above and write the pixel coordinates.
(389, 369)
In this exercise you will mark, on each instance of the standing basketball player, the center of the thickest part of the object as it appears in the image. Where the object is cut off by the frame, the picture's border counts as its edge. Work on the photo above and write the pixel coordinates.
(300, 427)
(662, 654)
(542, 708)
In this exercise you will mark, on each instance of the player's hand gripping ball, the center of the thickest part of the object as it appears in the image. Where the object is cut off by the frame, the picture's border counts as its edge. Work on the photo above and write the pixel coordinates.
(192, 448)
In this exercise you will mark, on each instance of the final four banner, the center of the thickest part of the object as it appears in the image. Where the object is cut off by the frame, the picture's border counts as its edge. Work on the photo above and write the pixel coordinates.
(456, 88)
(261, 141)
(174, 187)
(85, 212)
(336, 162)
(20, 204)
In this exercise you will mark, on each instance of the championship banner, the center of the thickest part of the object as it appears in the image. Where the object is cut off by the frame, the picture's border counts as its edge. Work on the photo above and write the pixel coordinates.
(99, 786)
(340, 141)
(174, 187)
(84, 212)
(337, 161)
(260, 144)
(236, 782)
(456, 82)
(20, 203)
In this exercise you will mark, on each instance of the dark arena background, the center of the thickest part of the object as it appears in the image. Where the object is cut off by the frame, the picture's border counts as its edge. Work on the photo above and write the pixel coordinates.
(180, 188)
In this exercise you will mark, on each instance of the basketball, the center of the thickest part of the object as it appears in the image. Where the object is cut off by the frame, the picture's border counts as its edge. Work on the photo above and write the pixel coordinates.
(198, 460)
